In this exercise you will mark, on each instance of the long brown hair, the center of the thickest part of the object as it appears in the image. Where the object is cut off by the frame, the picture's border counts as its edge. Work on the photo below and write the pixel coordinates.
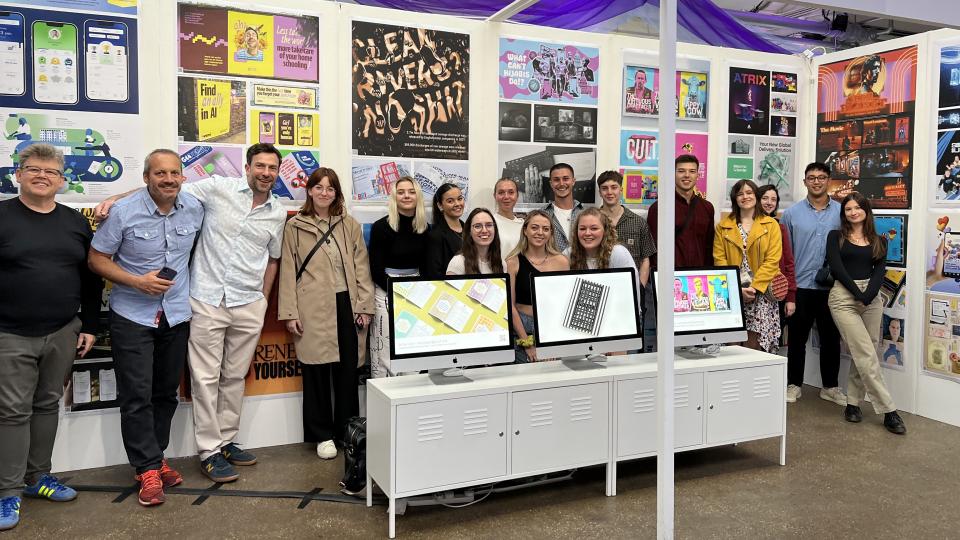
(336, 207)
(735, 208)
(578, 255)
(468, 248)
(877, 242)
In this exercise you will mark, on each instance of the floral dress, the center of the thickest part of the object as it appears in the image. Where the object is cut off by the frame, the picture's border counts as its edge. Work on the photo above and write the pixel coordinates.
(763, 314)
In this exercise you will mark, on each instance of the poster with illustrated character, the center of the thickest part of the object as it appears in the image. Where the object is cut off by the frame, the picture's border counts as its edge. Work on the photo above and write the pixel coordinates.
(942, 301)
(893, 227)
(374, 178)
(865, 121)
(640, 159)
(893, 293)
(641, 93)
(550, 72)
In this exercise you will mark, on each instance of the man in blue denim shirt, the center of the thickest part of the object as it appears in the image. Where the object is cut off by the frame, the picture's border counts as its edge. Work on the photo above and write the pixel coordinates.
(150, 311)
(808, 222)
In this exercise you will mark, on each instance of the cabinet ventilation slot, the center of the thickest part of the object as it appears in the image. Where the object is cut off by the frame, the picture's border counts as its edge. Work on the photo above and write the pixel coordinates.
(475, 421)
(681, 397)
(730, 391)
(762, 387)
(581, 409)
(429, 427)
(643, 400)
(541, 413)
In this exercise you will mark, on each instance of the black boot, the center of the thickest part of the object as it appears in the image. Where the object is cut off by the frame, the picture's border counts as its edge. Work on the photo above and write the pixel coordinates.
(894, 423)
(852, 414)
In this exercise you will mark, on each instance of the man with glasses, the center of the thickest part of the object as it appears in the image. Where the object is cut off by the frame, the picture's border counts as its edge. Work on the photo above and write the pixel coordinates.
(234, 267)
(808, 223)
(144, 249)
(44, 281)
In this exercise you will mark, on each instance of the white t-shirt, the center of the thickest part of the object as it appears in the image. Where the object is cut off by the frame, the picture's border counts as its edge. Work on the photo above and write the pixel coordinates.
(509, 231)
(563, 218)
(457, 268)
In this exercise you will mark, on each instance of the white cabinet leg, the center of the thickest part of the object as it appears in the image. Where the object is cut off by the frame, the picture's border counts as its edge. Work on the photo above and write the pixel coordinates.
(369, 491)
(783, 449)
(392, 510)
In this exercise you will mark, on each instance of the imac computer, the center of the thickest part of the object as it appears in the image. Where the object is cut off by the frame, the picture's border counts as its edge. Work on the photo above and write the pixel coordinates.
(586, 313)
(707, 306)
(456, 322)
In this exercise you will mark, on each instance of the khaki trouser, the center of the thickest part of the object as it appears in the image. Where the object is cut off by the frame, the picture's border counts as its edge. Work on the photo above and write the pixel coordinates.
(859, 326)
(222, 343)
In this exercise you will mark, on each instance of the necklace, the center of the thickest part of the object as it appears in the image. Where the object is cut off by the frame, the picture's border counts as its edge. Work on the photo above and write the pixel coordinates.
(535, 263)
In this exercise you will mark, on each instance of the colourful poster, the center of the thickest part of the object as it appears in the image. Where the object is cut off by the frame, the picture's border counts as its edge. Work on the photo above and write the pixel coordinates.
(120, 7)
(295, 170)
(283, 128)
(749, 101)
(639, 186)
(373, 179)
(893, 292)
(942, 343)
(203, 161)
(269, 95)
(411, 92)
(432, 175)
(641, 93)
(894, 228)
(247, 43)
(275, 368)
(640, 149)
(545, 71)
(865, 108)
(211, 110)
(775, 164)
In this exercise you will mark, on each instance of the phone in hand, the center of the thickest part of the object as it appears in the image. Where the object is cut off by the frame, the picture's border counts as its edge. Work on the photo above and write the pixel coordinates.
(951, 259)
(167, 273)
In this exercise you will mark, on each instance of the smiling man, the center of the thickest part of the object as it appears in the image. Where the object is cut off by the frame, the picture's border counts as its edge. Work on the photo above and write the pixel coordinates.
(693, 217)
(42, 285)
(564, 208)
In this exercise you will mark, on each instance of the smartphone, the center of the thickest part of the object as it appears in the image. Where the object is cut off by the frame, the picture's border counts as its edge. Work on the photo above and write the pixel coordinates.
(12, 55)
(55, 62)
(951, 259)
(286, 128)
(305, 130)
(267, 127)
(107, 77)
(167, 273)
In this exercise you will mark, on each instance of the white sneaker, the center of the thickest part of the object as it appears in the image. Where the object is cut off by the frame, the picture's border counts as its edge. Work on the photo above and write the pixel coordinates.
(326, 450)
(835, 395)
(793, 393)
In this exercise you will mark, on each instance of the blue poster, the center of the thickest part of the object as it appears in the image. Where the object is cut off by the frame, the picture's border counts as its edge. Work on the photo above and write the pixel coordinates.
(639, 149)
(120, 7)
(552, 72)
(894, 228)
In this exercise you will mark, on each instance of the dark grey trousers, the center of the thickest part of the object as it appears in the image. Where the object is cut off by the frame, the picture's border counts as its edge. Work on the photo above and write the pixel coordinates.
(32, 373)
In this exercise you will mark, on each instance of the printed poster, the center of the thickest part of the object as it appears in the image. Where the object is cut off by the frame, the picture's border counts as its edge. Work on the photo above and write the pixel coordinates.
(894, 295)
(894, 228)
(373, 179)
(211, 110)
(223, 41)
(947, 174)
(640, 159)
(529, 165)
(641, 93)
(275, 368)
(749, 101)
(410, 92)
(942, 340)
(545, 71)
(120, 7)
(564, 124)
(205, 161)
(865, 108)
(270, 95)
(283, 128)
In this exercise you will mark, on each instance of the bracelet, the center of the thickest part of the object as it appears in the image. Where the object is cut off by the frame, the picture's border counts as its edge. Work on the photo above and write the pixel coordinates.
(525, 342)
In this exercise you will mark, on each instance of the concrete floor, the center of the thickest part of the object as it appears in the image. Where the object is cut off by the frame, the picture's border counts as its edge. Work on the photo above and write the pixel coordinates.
(841, 480)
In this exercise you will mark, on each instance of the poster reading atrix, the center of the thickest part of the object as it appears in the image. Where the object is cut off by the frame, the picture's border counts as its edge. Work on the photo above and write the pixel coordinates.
(410, 92)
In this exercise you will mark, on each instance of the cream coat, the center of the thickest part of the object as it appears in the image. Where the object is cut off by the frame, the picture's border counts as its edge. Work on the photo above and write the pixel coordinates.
(313, 301)
(764, 248)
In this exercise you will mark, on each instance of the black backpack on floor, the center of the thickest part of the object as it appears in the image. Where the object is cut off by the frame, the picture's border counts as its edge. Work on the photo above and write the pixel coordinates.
(354, 456)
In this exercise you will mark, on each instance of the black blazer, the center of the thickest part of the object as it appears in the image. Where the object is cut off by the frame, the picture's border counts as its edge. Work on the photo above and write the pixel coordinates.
(442, 244)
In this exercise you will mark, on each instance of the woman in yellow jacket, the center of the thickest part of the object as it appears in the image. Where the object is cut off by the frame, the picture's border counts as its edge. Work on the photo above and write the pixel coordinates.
(748, 230)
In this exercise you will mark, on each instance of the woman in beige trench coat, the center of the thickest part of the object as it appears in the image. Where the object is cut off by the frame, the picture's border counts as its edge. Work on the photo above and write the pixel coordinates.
(327, 309)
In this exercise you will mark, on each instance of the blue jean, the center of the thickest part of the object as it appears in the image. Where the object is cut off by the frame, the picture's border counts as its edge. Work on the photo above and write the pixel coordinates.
(520, 354)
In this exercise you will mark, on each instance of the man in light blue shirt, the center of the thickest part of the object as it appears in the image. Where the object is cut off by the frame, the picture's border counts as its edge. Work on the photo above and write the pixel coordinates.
(144, 249)
(808, 222)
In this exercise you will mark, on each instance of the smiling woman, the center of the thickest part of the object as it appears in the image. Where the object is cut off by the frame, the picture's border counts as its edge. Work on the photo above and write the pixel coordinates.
(444, 239)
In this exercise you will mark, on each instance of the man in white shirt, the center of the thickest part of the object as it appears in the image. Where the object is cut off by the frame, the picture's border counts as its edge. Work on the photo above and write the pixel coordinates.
(506, 192)
(564, 208)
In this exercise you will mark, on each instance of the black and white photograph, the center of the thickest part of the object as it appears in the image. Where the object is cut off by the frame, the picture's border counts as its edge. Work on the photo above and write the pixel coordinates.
(515, 121)
(567, 125)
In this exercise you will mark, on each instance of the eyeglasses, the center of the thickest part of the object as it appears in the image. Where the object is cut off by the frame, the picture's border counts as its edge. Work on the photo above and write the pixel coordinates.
(324, 190)
(481, 226)
(821, 178)
(37, 171)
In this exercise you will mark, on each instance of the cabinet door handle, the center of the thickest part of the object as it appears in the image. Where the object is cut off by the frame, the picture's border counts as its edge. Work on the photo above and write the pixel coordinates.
(711, 407)
(517, 432)
(501, 434)
(699, 407)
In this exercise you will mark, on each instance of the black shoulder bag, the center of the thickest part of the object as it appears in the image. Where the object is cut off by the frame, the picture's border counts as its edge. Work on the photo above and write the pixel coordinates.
(323, 238)
(824, 276)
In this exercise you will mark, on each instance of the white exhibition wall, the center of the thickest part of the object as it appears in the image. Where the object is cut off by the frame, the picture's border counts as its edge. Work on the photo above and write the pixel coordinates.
(98, 433)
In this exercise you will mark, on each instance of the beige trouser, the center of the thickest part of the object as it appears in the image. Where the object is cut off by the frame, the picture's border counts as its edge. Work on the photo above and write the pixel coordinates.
(859, 326)
(222, 343)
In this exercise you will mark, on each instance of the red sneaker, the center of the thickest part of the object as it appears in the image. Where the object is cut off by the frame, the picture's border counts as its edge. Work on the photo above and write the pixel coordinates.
(151, 488)
(169, 476)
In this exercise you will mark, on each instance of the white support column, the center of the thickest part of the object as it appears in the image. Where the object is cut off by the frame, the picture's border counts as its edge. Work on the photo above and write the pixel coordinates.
(665, 262)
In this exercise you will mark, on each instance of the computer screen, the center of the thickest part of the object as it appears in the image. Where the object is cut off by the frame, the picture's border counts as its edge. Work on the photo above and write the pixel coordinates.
(586, 312)
(454, 322)
(707, 307)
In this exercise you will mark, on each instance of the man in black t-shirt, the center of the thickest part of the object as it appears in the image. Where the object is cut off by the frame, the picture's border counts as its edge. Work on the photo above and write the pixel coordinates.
(44, 281)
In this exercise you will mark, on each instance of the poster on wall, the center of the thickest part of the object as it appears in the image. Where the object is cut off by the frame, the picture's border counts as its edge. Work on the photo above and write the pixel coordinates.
(749, 101)
(640, 159)
(373, 179)
(865, 108)
(942, 352)
(221, 41)
(946, 177)
(529, 165)
(410, 92)
(204, 161)
(565, 125)
(894, 229)
(641, 93)
(122, 7)
(275, 369)
(943, 249)
(765, 160)
(516, 121)
(283, 128)
(211, 110)
(545, 71)
(893, 292)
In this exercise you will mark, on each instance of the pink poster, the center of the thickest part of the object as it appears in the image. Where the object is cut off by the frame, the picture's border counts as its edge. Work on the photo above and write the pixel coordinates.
(696, 144)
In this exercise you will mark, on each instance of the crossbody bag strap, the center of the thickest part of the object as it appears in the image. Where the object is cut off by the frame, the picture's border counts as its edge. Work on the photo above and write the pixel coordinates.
(323, 238)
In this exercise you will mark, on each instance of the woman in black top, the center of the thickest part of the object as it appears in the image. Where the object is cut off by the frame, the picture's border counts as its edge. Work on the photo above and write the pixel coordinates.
(446, 236)
(857, 258)
(398, 247)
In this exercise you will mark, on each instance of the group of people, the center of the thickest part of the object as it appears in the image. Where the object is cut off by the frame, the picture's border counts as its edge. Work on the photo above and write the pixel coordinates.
(193, 265)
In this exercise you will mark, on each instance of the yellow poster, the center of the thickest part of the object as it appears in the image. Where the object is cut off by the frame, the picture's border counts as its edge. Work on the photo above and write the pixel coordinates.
(250, 47)
(284, 96)
(213, 109)
(283, 128)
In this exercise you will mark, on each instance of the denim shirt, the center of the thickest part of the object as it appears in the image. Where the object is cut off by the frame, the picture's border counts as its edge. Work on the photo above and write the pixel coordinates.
(808, 228)
(142, 240)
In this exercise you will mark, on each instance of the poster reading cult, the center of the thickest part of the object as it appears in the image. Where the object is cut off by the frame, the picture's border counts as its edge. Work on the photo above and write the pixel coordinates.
(410, 97)
(865, 109)
(245, 78)
(70, 79)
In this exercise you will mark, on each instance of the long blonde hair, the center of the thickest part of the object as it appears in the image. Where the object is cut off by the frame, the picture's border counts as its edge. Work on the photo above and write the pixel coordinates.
(522, 245)
(393, 214)
(578, 255)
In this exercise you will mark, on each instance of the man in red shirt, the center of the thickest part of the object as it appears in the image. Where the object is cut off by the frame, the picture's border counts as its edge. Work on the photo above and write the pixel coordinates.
(694, 217)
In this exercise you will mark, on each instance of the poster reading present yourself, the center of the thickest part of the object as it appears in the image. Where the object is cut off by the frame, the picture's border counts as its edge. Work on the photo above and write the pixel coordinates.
(548, 71)
(641, 93)
(865, 121)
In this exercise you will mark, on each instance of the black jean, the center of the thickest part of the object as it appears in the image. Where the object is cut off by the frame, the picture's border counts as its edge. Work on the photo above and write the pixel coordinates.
(330, 396)
(812, 307)
(149, 363)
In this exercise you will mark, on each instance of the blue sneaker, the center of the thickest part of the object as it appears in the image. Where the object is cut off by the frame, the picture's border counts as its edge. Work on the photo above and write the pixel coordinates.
(9, 512)
(238, 456)
(48, 487)
(217, 469)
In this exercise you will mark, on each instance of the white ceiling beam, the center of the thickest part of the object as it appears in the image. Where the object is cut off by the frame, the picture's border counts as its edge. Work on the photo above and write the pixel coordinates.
(510, 10)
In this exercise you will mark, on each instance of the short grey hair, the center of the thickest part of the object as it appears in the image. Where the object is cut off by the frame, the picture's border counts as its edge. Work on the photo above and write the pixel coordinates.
(157, 152)
(41, 151)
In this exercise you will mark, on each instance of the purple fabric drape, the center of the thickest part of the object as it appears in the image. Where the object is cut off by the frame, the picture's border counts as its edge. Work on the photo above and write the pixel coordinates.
(701, 18)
